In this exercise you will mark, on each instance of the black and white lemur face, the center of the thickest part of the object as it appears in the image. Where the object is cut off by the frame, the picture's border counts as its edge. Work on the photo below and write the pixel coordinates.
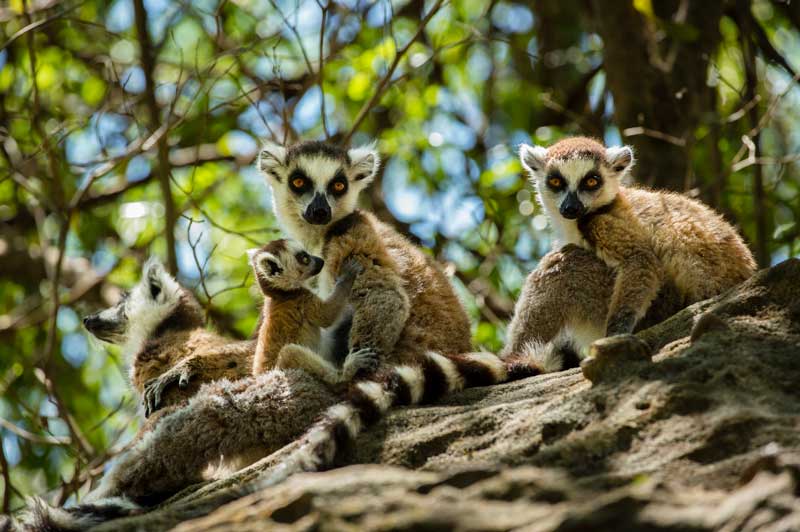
(315, 183)
(283, 265)
(578, 179)
(140, 311)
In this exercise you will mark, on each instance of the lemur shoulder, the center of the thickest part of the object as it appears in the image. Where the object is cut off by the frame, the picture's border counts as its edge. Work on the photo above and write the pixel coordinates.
(655, 242)
(167, 348)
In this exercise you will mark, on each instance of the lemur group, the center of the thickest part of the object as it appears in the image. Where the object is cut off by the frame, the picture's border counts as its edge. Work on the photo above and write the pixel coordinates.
(357, 319)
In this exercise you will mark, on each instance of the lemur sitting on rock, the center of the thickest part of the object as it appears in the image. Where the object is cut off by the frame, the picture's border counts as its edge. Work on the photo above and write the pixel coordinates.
(665, 251)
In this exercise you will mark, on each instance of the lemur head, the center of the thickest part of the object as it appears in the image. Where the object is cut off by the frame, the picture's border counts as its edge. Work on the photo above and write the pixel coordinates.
(156, 304)
(577, 175)
(283, 266)
(315, 182)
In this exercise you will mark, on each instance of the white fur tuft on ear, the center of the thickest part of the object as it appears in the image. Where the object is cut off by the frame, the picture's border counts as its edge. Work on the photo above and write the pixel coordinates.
(533, 158)
(620, 158)
(154, 269)
(271, 158)
(364, 162)
(258, 258)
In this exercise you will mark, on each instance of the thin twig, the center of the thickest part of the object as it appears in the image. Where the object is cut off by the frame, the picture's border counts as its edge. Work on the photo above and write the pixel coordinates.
(384, 82)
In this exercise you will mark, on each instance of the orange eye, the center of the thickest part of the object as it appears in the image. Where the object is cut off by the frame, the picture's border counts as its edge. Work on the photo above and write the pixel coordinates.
(591, 182)
(338, 186)
(554, 182)
(298, 182)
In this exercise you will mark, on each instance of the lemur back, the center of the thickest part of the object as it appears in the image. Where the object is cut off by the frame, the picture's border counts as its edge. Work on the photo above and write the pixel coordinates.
(161, 329)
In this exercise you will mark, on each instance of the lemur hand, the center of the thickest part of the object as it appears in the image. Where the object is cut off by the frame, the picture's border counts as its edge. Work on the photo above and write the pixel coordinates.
(154, 388)
(350, 269)
(360, 362)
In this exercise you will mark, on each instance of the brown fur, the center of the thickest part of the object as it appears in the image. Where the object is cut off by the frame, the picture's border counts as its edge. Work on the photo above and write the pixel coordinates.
(577, 147)
(197, 356)
(403, 302)
(289, 335)
(653, 237)
(576, 275)
(181, 355)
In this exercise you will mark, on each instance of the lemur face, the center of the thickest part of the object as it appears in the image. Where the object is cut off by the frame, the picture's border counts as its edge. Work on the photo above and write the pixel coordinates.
(146, 305)
(283, 265)
(314, 182)
(576, 176)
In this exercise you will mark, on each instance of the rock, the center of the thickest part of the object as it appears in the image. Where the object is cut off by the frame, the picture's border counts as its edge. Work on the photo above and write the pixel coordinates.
(614, 356)
(706, 436)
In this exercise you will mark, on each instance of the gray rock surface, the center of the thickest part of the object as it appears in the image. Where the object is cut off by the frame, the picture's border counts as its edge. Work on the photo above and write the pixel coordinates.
(703, 436)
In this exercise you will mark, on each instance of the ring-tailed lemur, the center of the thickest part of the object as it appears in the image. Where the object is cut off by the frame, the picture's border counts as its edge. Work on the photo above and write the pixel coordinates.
(655, 242)
(405, 309)
(168, 350)
(289, 337)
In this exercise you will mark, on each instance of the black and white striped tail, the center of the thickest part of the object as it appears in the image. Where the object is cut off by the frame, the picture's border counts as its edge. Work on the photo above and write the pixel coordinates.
(369, 400)
(45, 518)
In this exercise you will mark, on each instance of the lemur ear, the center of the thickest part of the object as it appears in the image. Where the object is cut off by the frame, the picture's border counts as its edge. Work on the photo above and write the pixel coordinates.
(364, 162)
(154, 273)
(266, 263)
(533, 158)
(271, 159)
(620, 158)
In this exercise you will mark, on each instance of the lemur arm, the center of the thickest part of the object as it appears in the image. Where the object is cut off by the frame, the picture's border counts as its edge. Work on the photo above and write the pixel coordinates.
(232, 361)
(623, 244)
(324, 313)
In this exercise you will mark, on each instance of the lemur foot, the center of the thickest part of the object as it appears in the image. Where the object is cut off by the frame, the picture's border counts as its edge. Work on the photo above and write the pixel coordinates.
(614, 355)
(359, 362)
(154, 388)
(621, 323)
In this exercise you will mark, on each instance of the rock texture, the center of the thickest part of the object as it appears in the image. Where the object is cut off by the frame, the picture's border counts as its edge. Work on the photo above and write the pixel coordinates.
(692, 425)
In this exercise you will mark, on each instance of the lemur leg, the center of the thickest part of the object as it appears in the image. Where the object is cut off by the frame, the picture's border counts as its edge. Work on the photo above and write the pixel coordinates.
(563, 304)
(379, 318)
(294, 356)
(639, 272)
(225, 419)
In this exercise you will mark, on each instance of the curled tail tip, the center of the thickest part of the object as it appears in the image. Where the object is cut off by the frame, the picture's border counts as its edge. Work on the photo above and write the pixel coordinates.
(45, 518)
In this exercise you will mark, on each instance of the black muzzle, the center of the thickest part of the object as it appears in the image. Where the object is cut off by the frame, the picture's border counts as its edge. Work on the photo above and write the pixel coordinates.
(318, 211)
(572, 208)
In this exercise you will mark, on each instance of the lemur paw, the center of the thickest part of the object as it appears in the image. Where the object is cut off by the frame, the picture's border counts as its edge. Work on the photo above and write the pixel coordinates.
(359, 362)
(154, 388)
(351, 267)
(622, 322)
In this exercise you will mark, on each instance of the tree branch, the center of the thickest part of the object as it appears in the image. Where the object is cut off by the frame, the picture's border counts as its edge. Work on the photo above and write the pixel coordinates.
(384, 82)
(148, 65)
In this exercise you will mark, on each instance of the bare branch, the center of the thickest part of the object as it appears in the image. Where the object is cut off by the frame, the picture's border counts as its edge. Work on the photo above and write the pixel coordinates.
(148, 65)
(384, 82)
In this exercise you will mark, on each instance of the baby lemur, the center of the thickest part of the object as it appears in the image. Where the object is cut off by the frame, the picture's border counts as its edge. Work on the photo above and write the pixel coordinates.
(289, 335)
(160, 326)
(661, 246)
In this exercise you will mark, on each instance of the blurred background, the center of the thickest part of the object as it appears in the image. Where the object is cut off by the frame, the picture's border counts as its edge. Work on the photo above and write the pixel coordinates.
(129, 129)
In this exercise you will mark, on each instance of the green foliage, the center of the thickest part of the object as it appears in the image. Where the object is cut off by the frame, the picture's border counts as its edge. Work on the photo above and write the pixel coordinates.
(481, 78)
